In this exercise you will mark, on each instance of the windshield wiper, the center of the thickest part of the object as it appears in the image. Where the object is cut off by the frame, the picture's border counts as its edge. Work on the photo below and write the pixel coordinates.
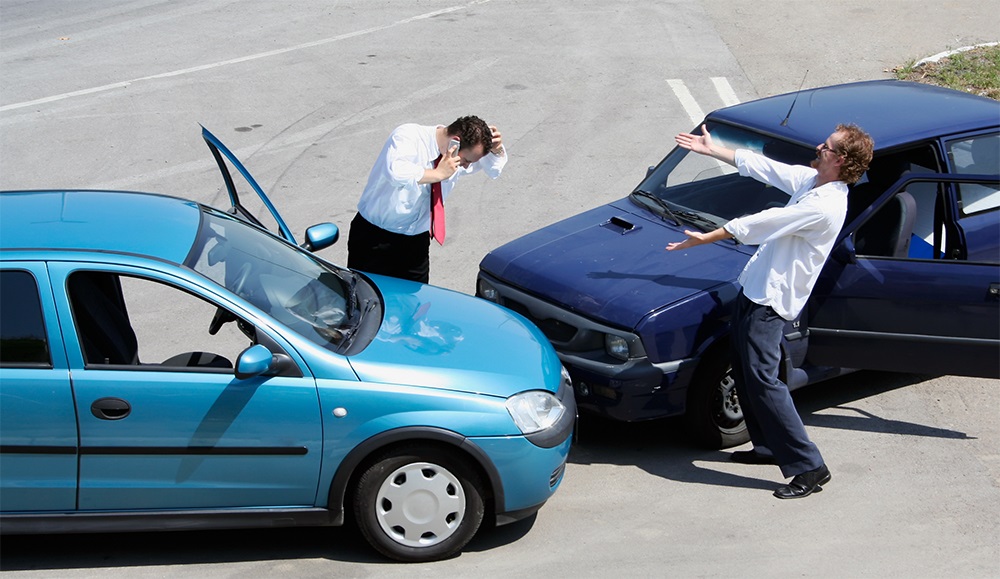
(352, 333)
(352, 295)
(697, 219)
(677, 215)
(667, 212)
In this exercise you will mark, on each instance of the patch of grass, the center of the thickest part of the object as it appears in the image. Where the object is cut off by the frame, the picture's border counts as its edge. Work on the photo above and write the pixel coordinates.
(976, 71)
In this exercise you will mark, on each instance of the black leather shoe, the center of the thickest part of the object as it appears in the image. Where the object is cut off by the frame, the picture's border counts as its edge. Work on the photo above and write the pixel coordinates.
(804, 484)
(751, 457)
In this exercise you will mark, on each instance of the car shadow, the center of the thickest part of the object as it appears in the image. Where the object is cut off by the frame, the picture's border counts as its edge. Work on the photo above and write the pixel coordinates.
(115, 550)
(120, 550)
(661, 447)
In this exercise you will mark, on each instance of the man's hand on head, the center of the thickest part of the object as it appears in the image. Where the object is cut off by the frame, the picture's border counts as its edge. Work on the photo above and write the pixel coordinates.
(497, 147)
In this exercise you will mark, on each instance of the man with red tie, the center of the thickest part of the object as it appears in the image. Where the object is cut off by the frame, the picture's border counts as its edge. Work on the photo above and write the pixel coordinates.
(397, 213)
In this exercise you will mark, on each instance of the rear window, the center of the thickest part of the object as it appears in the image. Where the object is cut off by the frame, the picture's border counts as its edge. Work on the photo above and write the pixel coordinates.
(979, 155)
(22, 328)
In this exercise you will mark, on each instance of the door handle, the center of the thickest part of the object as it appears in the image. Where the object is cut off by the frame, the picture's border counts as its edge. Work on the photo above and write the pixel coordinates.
(110, 408)
(994, 293)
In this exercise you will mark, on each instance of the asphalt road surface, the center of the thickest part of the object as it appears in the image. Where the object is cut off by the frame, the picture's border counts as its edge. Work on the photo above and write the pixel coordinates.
(110, 94)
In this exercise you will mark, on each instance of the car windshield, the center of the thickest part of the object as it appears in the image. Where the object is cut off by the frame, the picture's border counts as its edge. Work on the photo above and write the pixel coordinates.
(707, 193)
(294, 287)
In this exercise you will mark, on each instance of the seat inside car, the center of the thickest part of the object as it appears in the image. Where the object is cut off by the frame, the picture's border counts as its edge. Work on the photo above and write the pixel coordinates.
(888, 232)
(102, 320)
(106, 334)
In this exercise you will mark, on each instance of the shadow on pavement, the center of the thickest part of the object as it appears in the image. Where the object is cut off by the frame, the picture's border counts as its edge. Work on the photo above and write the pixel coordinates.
(661, 448)
(111, 550)
(119, 550)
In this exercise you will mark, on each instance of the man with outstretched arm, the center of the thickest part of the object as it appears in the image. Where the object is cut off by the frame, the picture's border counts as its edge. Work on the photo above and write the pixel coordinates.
(794, 243)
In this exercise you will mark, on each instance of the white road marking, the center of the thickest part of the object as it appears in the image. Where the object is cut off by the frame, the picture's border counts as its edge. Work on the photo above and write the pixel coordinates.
(258, 56)
(690, 105)
(725, 91)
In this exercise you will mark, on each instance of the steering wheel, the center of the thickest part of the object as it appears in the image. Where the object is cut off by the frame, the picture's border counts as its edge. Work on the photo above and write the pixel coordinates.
(223, 316)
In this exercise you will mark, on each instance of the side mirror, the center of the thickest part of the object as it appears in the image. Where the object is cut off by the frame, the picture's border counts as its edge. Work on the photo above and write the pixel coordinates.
(321, 236)
(253, 361)
(257, 360)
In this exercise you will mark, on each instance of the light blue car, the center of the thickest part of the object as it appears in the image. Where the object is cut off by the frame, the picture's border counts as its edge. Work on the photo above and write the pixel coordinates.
(166, 365)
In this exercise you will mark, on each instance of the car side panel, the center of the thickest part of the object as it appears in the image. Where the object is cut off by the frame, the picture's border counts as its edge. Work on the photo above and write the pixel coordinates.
(354, 412)
(902, 315)
(197, 441)
(38, 434)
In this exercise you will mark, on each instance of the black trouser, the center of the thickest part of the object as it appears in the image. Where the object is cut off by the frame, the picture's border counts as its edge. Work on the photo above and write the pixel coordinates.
(372, 249)
(772, 420)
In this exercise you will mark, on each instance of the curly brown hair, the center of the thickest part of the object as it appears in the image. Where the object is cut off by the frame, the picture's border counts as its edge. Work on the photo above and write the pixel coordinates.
(856, 147)
(472, 130)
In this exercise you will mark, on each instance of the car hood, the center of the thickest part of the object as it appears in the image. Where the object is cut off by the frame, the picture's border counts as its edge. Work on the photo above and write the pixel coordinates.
(439, 338)
(610, 264)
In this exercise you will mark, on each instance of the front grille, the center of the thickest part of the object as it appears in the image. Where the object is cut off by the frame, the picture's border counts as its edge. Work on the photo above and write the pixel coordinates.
(554, 330)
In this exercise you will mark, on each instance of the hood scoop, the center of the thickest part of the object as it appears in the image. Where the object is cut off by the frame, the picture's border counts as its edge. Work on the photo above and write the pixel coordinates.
(620, 225)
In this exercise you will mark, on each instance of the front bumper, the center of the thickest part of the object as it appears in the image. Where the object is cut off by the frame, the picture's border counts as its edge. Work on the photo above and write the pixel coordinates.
(632, 390)
(529, 475)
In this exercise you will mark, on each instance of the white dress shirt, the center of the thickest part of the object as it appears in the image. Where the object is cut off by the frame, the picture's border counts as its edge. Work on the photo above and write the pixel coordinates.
(794, 240)
(393, 199)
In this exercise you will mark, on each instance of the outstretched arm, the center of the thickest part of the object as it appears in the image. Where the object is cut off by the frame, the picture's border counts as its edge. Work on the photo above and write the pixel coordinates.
(699, 238)
(703, 145)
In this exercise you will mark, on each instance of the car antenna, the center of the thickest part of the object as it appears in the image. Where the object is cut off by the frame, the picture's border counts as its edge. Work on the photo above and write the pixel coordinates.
(784, 123)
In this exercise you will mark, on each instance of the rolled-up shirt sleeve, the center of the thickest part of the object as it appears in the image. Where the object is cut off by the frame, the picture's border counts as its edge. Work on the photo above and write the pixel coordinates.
(799, 219)
(403, 161)
(787, 178)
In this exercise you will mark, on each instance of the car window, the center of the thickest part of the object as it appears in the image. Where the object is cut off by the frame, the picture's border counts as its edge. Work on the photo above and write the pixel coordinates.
(903, 226)
(979, 155)
(914, 223)
(132, 321)
(22, 327)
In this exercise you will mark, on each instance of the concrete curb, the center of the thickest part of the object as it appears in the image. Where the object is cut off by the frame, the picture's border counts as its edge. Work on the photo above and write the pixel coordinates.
(948, 53)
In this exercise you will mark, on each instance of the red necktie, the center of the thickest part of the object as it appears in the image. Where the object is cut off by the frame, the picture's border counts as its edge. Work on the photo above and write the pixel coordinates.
(437, 209)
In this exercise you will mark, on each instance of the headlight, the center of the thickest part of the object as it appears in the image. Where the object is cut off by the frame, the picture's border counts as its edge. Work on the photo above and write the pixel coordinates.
(487, 291)
(616, 346)
(535, 410)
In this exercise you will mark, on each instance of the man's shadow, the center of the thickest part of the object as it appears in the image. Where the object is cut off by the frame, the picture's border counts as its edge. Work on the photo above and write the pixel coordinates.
(662, 448)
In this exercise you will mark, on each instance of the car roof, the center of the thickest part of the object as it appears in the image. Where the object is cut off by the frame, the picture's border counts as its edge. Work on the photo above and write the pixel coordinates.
(109, 221)
(892, 112)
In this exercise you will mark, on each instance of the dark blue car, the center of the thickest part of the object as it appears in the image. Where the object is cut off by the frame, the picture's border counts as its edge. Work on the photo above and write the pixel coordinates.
(913, 283)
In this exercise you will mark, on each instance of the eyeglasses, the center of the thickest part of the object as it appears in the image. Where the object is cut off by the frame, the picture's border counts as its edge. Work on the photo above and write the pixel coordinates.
(825, 147)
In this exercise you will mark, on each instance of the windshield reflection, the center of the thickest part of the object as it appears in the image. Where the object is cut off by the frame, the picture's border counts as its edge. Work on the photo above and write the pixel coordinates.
(708, 193)
(290, 285)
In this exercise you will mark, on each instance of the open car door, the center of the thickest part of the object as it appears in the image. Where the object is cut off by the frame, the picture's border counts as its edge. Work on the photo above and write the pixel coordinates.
(219, 150)
(902, 308)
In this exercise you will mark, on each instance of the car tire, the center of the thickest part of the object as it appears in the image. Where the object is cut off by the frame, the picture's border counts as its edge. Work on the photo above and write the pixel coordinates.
(418, 503)
(713, 417)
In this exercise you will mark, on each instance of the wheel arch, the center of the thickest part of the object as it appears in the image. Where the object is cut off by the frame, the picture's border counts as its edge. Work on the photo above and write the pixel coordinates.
(361, 456)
